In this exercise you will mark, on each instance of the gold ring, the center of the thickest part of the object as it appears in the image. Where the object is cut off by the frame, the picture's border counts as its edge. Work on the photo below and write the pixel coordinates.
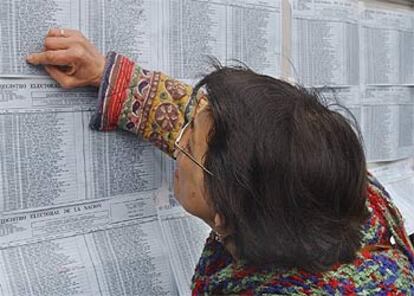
(62, 33)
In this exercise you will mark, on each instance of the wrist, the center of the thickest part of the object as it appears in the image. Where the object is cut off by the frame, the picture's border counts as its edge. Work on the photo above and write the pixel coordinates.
(96, 79)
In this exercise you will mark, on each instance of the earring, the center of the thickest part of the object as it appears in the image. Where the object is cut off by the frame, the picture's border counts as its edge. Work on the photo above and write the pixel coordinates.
(217, 236)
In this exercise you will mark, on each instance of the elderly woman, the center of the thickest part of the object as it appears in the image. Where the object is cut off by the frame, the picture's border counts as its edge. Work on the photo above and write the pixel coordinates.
(279, 177)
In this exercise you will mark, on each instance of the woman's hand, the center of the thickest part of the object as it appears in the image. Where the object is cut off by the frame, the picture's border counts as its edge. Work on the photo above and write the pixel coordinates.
(70, 59)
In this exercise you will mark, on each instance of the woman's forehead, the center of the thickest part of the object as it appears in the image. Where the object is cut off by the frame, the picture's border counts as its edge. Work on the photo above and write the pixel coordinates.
(201, 125)
(201, 101)
(200, 104)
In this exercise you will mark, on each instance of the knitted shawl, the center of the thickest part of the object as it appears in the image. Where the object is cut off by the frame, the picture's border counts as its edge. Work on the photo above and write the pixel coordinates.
(375, 271)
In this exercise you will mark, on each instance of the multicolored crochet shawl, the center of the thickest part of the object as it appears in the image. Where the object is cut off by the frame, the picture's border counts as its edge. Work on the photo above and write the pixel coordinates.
(383, 270)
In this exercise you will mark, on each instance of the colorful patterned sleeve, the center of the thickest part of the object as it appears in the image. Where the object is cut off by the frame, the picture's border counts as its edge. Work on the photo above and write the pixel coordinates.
(146, 103)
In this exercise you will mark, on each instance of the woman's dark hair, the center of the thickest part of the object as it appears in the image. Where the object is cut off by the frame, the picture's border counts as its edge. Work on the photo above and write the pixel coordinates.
(290, 174)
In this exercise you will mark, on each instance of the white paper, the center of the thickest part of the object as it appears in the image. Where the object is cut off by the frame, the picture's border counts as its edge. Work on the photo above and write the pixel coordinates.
(111, 247)
(185, 236)
(176, 36)
(385, 117)
(23, 26)
(388, 122)
(49, 155)
(325, 42)
(247, 31)
(77, 211)
(387, 39)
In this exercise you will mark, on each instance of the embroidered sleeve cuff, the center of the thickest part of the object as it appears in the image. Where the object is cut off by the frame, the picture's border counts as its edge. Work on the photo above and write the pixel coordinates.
(112, 91)
(156, 108)
(147, 103)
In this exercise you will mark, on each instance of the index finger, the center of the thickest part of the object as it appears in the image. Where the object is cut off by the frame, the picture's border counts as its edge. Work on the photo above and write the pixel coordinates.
(52, 57)
(57, 32)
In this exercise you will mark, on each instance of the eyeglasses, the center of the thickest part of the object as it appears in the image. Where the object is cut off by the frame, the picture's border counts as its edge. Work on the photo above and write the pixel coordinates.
(186, 153)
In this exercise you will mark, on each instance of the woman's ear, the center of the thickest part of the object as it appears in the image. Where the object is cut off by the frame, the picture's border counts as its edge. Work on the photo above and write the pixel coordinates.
(219, 226)
(218, 222)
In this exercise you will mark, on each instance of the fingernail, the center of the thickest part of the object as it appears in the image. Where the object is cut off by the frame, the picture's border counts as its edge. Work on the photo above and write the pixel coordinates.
(29, 58)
